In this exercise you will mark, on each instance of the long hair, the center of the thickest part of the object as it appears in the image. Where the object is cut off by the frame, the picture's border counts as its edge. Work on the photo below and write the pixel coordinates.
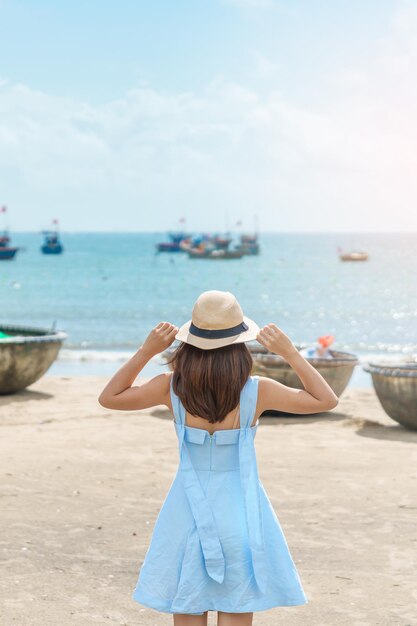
(209, 382)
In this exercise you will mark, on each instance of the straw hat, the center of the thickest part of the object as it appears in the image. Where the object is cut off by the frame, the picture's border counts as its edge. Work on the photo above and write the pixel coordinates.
(217, 321)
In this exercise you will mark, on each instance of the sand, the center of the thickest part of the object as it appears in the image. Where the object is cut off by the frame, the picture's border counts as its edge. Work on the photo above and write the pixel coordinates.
(81, 487)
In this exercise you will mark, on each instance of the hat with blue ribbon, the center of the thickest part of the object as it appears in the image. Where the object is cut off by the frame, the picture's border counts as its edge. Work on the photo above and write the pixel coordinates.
(217, 320)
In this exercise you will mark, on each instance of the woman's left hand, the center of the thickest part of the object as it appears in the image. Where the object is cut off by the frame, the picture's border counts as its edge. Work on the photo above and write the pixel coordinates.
(276, 341)
(159, 338)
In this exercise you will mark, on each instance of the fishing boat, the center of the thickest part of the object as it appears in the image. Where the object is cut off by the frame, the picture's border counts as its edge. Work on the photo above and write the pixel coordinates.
(174, 243)
(205, 241)
(395, 385)
(220, 243)
(52, 243)
(353, 256)
(249, 244)
(201, 253)
(175, 237)
(187, 244)
(249, 241)
(7, 252)
(212, 246)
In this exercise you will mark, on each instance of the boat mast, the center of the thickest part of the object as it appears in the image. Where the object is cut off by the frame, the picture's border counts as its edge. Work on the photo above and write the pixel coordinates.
(3, 210)
(256, 224)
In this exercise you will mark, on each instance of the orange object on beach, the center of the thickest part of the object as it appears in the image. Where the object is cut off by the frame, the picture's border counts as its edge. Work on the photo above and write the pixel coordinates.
(326, 340)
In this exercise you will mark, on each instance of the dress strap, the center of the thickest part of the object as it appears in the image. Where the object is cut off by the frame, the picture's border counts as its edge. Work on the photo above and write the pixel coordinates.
(248, 400)
(177, 406)
(197, 499)
(250, 480)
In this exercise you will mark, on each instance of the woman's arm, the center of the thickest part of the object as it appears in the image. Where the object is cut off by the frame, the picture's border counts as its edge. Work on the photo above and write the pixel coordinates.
(316, 396)
(119, 393)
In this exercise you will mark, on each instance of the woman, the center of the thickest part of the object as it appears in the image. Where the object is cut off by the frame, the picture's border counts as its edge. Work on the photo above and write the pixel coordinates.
(217, 543)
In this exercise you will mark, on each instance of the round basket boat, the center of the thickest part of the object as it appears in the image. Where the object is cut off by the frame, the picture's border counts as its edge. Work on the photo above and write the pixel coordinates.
(25, 355)
(395, 385)
(336, 371)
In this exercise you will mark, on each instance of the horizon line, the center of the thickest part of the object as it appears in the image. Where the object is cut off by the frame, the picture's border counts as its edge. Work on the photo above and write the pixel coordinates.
(212, 231)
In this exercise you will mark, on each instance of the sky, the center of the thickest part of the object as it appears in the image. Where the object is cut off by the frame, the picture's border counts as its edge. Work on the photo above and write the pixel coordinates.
(132, 115)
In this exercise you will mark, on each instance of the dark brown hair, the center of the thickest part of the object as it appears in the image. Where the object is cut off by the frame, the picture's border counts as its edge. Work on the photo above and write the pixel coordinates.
(209, 382)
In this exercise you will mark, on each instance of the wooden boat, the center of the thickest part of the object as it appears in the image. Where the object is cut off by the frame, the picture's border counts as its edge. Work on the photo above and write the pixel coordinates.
(249, 239)
(7, 253)
(249, 249)
(220, 255)
(174, 243)
(353, 256)
(186, 244)
(337, 370)
(168, 246)
(219, 243)
(26, 353)
(395, 385)
(249, 244)
(52, 243)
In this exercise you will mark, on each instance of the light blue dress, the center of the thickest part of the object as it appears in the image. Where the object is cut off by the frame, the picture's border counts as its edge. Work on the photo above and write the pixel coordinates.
(217, 544)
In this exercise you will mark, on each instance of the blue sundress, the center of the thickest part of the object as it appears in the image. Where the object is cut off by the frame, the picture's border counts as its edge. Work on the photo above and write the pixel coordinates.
(217, 544)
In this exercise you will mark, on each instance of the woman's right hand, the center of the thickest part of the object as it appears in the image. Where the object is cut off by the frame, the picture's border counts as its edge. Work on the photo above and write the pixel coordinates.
(276, 341)
(160, 338)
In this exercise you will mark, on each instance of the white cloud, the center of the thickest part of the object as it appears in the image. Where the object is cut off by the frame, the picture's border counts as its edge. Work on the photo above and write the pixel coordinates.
(265, 67)
(347, 162)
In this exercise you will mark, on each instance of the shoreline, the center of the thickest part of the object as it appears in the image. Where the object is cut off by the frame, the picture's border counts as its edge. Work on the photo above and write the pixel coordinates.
(82, 486)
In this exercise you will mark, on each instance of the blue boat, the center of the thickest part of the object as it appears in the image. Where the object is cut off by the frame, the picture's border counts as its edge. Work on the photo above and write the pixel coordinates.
(174, 245)
(4, 239)
(7, 252)
(249, 244)
(52, 244)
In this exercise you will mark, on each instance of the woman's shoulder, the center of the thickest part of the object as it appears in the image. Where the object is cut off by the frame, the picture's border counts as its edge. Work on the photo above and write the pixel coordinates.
(161, 387)
(264, 382)
(162, 383)
(265, 387)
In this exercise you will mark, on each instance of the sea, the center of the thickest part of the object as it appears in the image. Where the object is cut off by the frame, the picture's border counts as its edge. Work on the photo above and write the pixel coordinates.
(108, 290)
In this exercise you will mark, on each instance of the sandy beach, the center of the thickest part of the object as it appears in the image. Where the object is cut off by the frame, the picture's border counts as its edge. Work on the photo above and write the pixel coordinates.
(81, 487)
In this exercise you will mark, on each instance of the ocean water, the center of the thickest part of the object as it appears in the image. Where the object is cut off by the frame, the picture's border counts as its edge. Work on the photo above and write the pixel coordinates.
(108, 290)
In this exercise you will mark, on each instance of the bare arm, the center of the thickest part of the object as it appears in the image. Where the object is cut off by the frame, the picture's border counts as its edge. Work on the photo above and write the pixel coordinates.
(316, 396)
(119, 392)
